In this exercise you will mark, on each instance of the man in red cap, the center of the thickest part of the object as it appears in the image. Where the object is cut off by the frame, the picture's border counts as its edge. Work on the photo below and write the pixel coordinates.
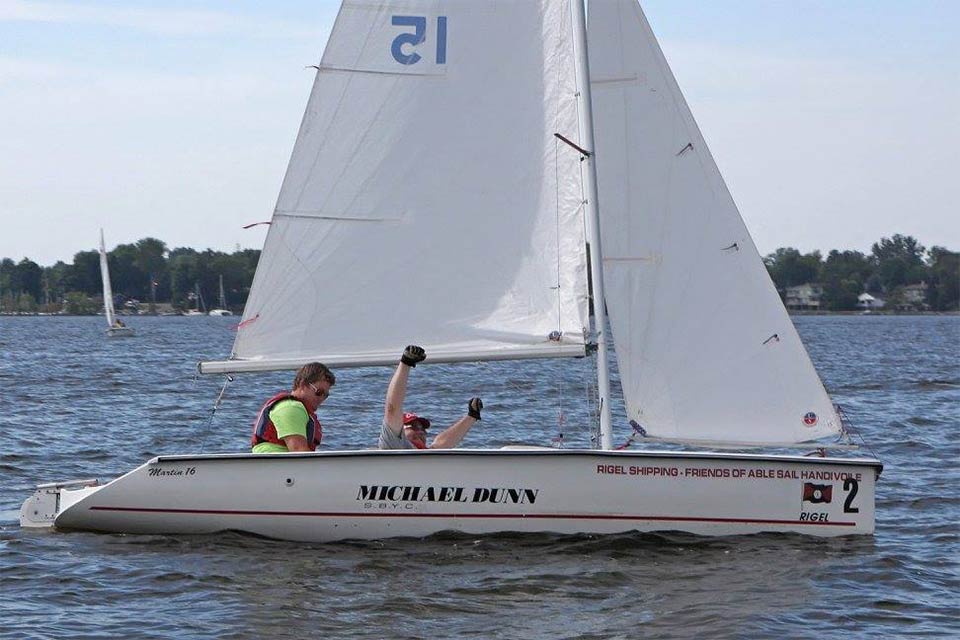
(408, 430)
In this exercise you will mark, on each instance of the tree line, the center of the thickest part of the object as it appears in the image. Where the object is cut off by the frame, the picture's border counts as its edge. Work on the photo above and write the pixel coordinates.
(891, 266)
(145, 271)
(149, 272)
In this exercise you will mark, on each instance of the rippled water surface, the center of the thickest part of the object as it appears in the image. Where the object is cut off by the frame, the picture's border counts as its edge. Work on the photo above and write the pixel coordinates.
(76, 405)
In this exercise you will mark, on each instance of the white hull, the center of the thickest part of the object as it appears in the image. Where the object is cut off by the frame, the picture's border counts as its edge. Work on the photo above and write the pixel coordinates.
(121, 332)
(221, 312)
(321, 497)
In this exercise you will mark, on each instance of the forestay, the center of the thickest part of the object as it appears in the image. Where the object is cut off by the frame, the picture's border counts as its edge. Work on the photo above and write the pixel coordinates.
(427, 200)
(706, 350)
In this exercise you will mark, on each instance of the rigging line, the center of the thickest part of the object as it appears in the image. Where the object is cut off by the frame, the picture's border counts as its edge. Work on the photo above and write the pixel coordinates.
(848, 428)
(213, 410)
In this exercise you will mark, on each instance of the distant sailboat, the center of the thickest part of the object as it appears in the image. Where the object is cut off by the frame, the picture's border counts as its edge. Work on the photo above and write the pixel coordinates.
(221, 310)
(115, 327)
(199, 308)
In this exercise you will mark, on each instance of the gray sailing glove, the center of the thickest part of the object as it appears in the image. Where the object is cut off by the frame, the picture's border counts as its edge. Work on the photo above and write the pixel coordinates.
(473, 408)
(412, 355)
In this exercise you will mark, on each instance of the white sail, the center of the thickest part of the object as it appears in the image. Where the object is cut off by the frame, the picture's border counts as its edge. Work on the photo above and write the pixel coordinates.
(705, 349)
(427, 199)
(107, 289)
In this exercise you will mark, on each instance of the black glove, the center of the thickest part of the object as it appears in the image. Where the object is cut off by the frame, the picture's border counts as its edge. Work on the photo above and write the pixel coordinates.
(473, 408)
(412, 355)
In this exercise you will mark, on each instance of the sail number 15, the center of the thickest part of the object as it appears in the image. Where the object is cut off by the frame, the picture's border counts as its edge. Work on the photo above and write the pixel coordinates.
(419, 24)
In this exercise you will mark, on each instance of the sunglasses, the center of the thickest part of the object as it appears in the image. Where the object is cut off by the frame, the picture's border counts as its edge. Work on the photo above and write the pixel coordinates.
(320, 393)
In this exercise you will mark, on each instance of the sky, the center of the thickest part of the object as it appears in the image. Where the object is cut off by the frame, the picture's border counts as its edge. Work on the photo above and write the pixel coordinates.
(833, 123)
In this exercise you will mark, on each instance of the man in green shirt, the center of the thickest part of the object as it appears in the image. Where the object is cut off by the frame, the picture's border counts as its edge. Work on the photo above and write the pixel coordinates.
(288, 421)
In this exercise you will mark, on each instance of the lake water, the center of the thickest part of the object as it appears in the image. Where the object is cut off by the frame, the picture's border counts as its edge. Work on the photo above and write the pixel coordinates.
(76, 405)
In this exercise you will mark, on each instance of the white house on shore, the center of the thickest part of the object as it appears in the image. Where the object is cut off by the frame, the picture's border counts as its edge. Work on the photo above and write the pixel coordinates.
(804, 297)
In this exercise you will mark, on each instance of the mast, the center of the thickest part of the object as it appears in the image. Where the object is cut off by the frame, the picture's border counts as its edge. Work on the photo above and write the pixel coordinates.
(592, 216)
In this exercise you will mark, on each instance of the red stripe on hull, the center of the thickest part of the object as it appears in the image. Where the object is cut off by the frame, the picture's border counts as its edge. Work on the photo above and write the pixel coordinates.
(544, 516)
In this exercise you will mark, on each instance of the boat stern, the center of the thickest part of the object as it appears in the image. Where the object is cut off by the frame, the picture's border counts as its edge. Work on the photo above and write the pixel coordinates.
(41, 509)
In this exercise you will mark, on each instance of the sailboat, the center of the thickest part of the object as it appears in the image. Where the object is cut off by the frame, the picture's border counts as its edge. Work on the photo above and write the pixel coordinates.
(222, 309)
(199, 309)
(115, 327)
(466, 177)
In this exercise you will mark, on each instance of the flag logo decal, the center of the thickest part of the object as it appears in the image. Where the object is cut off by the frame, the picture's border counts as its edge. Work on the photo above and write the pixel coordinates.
(817, 493)
(810, 418)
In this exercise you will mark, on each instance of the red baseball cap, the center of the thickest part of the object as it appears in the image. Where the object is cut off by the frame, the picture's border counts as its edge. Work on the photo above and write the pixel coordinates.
(411, 418)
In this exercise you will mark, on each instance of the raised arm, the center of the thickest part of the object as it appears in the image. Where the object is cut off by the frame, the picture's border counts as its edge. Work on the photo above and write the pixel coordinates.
(397, 390)
(452, 435)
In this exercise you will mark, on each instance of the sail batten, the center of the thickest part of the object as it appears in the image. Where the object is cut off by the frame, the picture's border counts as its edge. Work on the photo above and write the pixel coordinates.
(320, 215)
(691, 306)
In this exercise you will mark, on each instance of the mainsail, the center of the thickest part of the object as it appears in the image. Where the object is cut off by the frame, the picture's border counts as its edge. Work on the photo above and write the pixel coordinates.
(427, 199)
(705, 348)
(108, 309)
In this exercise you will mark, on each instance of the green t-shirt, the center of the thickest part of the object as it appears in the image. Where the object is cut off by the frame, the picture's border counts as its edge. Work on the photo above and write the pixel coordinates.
(290, 419)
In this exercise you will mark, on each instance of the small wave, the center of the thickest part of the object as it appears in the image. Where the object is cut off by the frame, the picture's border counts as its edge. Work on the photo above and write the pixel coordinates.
(938, 384)
(866, 386)
(924, 504)
(174, 576)
(892, 605)
(907, 445)
(944, 536)
(89, 455)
